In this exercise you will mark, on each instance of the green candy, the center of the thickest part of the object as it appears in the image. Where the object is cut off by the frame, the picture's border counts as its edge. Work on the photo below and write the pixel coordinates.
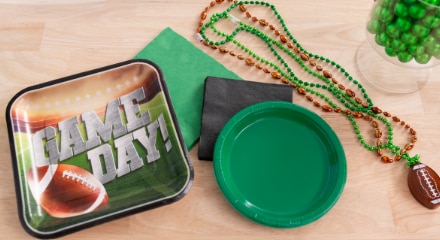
(419, 54)
(435, 22)
(436, 33)
(429, 41)
(434, 50)
(409, 38)
(430, 21)
(392, 30)
(417, 11)
(403, 24)
(390, 51)
(382, 39)
(420, 31)
(419, 50)
(398, 45)
(412, 49)
(374, 26)
(404, 57)
(375, 14)
(378, 40)
(386, 15)
(422, 58)
(401, 9)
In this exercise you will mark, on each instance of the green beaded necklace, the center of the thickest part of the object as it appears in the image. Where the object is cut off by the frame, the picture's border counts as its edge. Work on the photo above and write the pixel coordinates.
(355, 108)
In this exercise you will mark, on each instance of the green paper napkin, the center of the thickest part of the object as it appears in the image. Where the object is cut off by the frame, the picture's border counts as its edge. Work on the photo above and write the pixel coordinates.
(185, 68)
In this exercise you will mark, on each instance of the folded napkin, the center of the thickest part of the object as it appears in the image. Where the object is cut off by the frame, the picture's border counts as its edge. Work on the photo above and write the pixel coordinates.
(224, 98)
(185, 68)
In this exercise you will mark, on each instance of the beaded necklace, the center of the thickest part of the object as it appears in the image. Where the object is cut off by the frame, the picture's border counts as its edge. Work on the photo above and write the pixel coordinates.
(355, 109)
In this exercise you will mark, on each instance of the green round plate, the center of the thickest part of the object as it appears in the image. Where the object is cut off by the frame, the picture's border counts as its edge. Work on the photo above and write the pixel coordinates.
(280, 164)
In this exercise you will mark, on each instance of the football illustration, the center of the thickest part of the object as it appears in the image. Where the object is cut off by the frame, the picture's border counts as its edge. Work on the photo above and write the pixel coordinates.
(424, 185)
(64, 190)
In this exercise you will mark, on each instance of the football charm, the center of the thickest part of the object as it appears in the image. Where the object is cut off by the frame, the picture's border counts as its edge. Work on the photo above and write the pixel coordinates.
(424, 185)
(64, 190)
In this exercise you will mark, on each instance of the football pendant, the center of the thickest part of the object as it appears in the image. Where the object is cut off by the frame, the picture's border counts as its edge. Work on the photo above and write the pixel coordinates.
(424, 185)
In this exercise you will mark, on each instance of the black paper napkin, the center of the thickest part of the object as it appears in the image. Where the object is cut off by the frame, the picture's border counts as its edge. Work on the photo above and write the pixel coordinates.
(224, 97)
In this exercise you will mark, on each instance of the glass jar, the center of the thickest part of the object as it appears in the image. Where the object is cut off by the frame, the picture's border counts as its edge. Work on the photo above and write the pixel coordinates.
(402, 44)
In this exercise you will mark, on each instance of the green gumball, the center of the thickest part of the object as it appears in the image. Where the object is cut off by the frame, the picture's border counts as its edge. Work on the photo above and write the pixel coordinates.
(430, 21)
(390, 51)
(436, 33)
(420, 30)
(403, 24)
(428, 41)
(435, 22)
(386, 15)
(423, 58)
(382, 39)
(374, 26)
(417, 11)
(409, 38)
(412, 49)
(419, 54)
(398, 45)
(379, 40)
(375, 14)
(404, 57)
(392, 30)
(434, 50)
(419, 50)
(401, 9)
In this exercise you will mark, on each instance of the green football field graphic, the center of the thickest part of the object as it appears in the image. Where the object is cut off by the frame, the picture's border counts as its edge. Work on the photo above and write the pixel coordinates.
(153, 183)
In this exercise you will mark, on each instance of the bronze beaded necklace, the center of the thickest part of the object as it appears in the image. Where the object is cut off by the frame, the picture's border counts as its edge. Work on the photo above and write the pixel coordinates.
(423, 181)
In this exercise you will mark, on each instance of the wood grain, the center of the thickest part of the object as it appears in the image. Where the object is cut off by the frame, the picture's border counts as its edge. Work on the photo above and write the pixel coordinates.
(48, 39)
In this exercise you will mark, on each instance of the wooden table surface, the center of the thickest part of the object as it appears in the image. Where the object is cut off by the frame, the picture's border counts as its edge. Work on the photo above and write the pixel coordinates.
(42, 40)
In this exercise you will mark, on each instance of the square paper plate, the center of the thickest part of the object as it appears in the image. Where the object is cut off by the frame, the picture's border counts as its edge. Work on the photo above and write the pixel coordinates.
(95, 146)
